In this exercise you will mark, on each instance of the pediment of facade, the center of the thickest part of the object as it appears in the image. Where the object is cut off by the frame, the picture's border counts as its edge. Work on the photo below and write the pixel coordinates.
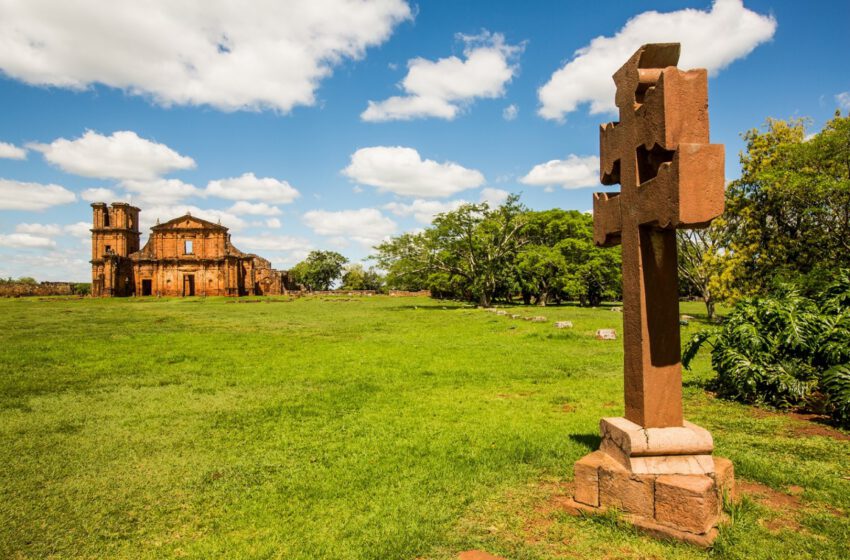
(187, 222)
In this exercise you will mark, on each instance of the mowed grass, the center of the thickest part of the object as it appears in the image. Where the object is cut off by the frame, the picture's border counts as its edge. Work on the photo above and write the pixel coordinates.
(336, 427)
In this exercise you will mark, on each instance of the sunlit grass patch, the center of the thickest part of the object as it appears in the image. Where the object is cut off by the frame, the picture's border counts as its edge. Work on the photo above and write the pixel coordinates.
(369, 428)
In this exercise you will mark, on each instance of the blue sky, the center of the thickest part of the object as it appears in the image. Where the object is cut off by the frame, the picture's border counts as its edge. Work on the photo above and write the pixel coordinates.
(261, 116)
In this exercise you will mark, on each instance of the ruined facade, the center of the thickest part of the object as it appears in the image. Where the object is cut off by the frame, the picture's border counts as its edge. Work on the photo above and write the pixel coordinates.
(186, 256)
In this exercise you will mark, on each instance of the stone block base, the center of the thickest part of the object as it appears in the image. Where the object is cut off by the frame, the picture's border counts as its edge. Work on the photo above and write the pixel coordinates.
(648, 526)
(678, 496)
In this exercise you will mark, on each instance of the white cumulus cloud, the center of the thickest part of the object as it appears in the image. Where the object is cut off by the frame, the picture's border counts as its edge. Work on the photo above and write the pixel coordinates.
(268, 242)
(443, 88)
(159, 192)
(422, 210)
(10, 151)
(26, 241)
(574, 172)
(710, 39)
(402, 171)
(122, 155)
(250, 187)
(16, 195)
(79, 229)
(98, 194)
(843, 100)
(273, 223)
(39, 229)
(367, 226)
(150, 216)
(252, 209)
(60, 265)
(494, 197)
(270, 54)
(510, 112)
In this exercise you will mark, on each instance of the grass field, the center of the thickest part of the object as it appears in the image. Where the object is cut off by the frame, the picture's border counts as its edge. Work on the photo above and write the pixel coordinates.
(353, 428)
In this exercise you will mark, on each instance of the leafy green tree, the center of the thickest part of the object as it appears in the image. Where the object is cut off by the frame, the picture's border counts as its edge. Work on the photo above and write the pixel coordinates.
(590, 273)
(540, 271)
(358, 278)
(469, 249)
(405, 259)
(319, 270)
(477, 244)
(478, 253)
(788, 215)
(700, 262)
(298, 275)
(81, 288)
(594, 273)
(353, 277)
(540, 266)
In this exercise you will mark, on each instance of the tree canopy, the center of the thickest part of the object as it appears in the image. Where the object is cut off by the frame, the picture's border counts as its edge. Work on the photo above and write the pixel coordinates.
(319, 270)
(356, 277)
(480, 253)
(788, 215)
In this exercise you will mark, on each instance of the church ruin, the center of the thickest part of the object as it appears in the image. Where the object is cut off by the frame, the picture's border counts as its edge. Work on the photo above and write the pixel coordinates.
(186, 256)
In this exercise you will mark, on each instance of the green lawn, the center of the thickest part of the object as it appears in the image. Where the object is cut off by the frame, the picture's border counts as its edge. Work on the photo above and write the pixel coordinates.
(343, 427)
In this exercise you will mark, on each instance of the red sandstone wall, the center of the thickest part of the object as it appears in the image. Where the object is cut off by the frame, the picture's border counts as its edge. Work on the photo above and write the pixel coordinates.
(205, 245)
(17, 289)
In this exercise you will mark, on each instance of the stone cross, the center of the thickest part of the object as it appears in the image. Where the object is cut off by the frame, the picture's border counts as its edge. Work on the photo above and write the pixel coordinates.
(670, 177)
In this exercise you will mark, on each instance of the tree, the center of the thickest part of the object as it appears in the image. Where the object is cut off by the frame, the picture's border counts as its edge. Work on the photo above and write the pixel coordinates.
(594, 273)
(298, 275)
(470, 250)
(358, 278)
(475, 253)
(319, 270)
(590, 273)
(700, 261)
(788, 215)
(80, 288)
(540, 271)
(545, 265)
(405, 260)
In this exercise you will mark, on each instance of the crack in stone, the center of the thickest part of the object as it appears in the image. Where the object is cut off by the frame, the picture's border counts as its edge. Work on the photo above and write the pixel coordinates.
(646, 435)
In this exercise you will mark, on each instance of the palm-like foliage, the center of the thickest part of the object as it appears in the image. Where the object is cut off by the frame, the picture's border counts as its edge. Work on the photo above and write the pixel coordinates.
(785, 350)
(836, 383)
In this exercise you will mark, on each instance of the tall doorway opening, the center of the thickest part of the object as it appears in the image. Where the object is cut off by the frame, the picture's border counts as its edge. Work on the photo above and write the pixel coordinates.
(146, 287)
(188, 284)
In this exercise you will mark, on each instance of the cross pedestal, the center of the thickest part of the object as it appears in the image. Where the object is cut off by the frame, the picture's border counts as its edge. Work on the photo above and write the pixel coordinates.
(653, 465)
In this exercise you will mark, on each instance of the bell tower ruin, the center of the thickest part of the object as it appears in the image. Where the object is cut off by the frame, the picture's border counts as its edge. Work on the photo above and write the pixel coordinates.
(115, 234)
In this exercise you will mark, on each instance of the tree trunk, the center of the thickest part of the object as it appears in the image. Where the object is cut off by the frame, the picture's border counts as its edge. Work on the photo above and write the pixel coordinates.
(709, 306)
(544, 296)
(485, 299)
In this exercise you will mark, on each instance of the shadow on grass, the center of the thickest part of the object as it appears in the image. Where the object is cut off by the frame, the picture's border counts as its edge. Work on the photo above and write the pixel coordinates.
(591, 441)
(696, 383)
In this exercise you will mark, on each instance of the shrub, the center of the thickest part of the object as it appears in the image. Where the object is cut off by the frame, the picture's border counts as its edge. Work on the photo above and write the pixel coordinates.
(81, 288)
(785, 351)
